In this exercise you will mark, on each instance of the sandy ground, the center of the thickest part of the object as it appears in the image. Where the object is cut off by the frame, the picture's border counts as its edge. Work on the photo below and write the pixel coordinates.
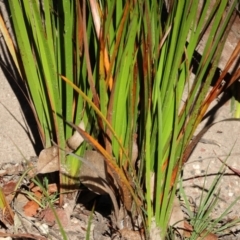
(204, 164)
(15, 140)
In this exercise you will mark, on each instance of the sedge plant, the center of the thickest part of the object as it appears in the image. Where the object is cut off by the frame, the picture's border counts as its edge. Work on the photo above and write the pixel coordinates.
(42, 53)
(122, 68)
(201, 218)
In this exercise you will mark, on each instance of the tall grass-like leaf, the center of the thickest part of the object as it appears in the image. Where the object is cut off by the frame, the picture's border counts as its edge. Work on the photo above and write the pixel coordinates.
(47, 37)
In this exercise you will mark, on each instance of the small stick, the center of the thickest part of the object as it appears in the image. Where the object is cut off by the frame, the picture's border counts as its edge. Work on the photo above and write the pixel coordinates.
(236, 171)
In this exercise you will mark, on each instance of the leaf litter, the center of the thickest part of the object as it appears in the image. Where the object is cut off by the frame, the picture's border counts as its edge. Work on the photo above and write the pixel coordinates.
(34, 214)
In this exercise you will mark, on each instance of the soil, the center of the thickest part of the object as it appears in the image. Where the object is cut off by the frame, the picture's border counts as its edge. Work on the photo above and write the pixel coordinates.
(17, 143)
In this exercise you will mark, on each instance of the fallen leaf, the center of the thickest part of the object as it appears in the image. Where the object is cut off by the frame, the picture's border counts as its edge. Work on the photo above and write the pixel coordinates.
(210, 236)
(30, 209)
(20, 201)
(93, 174)
(13, 169)
(31, 185)
(48, 160)
(188, 230)
(130, 234)
(38, 195)
(52, 188)
(9, 187)
(126, 191)
(35, 189)
(49, 218)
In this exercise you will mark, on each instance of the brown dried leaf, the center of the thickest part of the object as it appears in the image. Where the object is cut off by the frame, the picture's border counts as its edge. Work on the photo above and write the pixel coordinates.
(188, 230)
(52, 188)
(38, 195)
(210, 236)
(118, 174)
(48, 160)
(35, 189)
(10, 169)
(9, 187)
(30, 209)
(20, 201)
(50, 219)
(130, 234)
(93, 174)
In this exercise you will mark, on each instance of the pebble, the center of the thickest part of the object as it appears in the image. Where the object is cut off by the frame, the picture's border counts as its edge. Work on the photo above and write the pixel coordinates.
(197, 171)
(196, 166)
(230, 194)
